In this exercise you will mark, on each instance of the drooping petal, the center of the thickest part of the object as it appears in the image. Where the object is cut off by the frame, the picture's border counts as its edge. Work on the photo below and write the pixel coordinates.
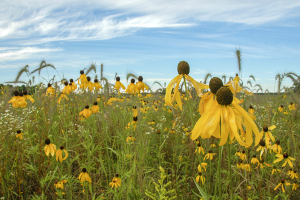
(224, 132)
(247, 118)
(233, 126)
(168, 98)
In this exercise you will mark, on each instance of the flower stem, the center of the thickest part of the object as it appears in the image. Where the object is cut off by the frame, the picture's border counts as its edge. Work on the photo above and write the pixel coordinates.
(229, 168)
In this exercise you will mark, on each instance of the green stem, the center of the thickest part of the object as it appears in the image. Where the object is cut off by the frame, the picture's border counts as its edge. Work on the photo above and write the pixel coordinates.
(229, 168)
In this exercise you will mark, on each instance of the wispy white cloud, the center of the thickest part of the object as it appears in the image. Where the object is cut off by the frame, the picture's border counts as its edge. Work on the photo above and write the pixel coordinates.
(22, 53)
(101, 20)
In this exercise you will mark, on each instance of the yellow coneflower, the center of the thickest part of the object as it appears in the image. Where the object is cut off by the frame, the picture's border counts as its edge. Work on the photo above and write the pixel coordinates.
(21, 100)
(287, 158)
(213, 145)
(183, 69)
(275, 170)
(248, 187)
(88, 84)
(247, 167)
(84, 176)
(97, 85)
(27, 96)
(19, 134)
(262, 163)
(82, 78)
(209, 155)
(132, 123)
(280, 109)
(151, 123)
(202, 165)
(73, 84)
(199, 149)
(222, 116)
(295, 186)
(234, 86)
(262, 148)
(86, 112)
(67, 89)
(49, 148)
(118, 84)
(292, 106)
(276, 147)
(95, 108)
(116, 182)
(15, 100)
(243, 155)
(62, 96)
(200, 177)
(60, 184)
(268, 134)
(237, 153)
(240, 165)
(294, 174)
(135, 111)
(59, 156)
(282, 183)
(254, 160)
(50, 90)
(141, 85)
(130, 139)
(251, 110)
(132, 88)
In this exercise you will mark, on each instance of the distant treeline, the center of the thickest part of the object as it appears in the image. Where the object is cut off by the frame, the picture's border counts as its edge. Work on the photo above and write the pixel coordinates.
(29, 89)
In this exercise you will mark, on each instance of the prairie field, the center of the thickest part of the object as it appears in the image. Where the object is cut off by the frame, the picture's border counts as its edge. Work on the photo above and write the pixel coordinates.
(103, 144)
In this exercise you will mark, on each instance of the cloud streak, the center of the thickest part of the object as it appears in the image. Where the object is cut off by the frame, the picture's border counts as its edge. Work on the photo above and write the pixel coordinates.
(23, 53)
(101, 20)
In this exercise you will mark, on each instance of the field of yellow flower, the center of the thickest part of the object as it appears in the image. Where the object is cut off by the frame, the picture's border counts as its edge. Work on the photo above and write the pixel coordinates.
(75, 140)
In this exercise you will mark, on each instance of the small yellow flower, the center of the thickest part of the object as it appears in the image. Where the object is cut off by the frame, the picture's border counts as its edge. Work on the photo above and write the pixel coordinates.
(243, 155)
(199, 149)
(292, 106)
(130, 139)
(19, 134)
(274, 170)
(251, 110)
(254, 160)
(86, 112)
(262, 163)
(84, 176)
(60, 184)
(280, 109)
(128, 156)
(247, 167)
(283, 182)
(116, 182)
(49, 148)
(268, 134)
(59, 156)
(200, 177)
(286, 157)
(95, 108)
(213, 145)
(262, 148)
(209, 155)
(295, 186)
(180, 158)
(277, 148)
(294, 174)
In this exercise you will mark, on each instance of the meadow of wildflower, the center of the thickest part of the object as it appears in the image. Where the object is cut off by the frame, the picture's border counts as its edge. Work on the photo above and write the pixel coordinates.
(78, 139)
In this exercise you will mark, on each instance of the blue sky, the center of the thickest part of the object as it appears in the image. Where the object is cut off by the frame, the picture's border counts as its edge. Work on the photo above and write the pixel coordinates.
(149, 38)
